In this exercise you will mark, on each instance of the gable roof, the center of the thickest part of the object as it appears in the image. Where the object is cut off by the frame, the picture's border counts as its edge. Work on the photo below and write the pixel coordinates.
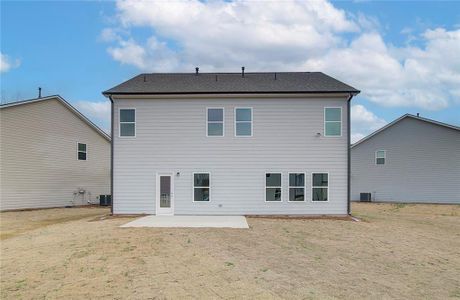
(400, 119)
(231, 83)
(66, 104)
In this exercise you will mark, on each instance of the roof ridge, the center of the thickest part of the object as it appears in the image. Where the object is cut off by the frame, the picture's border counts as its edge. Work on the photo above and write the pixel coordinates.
(227, 73)
(27, 100)
(432, 121)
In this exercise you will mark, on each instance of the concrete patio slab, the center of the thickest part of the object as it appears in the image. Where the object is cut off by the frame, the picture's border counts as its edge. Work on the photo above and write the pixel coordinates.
(190, 221)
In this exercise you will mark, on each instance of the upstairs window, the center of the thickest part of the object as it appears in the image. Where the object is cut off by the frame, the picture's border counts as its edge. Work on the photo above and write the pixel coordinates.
(380, 156)
(333, 121)
(201, 187)
(215, 122)
(273, 187)
(81, 151)
(243, 121)
(128, 122)
(320, 187)
(296, 187)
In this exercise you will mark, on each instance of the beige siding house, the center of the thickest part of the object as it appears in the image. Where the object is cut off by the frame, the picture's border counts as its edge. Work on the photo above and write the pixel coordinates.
(51, 155)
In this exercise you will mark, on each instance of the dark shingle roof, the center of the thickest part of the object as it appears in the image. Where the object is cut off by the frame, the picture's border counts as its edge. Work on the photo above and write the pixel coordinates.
(231, 83)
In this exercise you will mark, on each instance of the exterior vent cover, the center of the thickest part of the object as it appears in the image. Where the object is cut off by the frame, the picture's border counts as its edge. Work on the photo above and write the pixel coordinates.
(105, 200)
(365, 197)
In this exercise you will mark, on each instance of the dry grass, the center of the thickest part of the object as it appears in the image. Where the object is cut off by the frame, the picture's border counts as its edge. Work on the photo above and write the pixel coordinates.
(398, 251)
(15, 223)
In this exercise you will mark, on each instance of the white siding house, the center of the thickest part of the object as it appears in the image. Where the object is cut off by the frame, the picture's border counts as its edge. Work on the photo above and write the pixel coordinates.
(224, 144)
(50, 155)
(411, 160)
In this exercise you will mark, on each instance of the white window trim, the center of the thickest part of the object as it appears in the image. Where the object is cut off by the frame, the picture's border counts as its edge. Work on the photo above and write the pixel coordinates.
(297, 187)
(119, 123)
(265, 189)
(193, 187)
(235, 121)
(328, 186)
(324, 120)
(78, 151)
(384, 157)
(215, 122)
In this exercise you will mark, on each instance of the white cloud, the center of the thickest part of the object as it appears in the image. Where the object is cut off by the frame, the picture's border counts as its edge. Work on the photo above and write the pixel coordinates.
(155, 55)
(216, 35)
(97, 110)
(6, 63)
(390, 76)
(363, 122)
(109, 35)
(128, 52)
(293, 36)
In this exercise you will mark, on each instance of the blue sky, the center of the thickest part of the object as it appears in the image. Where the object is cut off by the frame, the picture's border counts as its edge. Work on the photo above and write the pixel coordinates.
(402, 55)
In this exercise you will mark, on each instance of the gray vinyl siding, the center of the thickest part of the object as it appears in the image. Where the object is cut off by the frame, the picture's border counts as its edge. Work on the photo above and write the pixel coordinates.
(422, 164)
(171, 137)
(39, 166)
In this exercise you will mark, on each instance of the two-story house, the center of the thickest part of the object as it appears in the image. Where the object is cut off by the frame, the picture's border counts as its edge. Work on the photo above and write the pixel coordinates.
(231, 144)
(410, 160)
(51, 155)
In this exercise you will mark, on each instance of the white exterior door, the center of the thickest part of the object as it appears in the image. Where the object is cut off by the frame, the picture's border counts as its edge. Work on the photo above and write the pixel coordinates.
(165, 194)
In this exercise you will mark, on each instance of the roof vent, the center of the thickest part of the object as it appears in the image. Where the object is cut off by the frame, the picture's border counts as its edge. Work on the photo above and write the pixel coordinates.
(242, 72)
(196, 70)
(39, 92)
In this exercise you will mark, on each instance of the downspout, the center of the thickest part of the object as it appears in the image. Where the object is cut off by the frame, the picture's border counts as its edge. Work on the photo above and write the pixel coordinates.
(111, 153)
(349, 155)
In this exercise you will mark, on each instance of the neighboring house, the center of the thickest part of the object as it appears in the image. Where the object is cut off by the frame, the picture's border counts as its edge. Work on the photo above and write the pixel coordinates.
(231, 143)
(412, 159)
(51, 155)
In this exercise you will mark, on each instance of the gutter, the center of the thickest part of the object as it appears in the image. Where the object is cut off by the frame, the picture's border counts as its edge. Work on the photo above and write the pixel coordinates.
(348, 154)
(111, 152)
(108, 93)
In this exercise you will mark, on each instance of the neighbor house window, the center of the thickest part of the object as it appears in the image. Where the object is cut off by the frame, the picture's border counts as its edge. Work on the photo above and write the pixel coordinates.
(215, 122)
(320, 187)
(332, 121)
(380, 156)
(81, 151)
(201, 187)
(243, 121)
(296, 187)
(273, 187)
(127, 122)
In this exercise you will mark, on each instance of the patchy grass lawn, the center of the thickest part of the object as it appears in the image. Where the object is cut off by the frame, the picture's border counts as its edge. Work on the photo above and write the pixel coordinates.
(397, 251)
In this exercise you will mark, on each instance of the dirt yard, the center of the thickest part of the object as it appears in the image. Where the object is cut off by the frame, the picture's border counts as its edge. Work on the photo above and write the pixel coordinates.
(397, 251)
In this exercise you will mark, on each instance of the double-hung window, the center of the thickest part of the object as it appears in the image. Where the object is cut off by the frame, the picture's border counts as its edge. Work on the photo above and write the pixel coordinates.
(273, 187)
(296, 187)
(201, 187)
(215, 122)
(127, 122)
(320, 187)
(81, 151)
(332, 121)
(380, 156)
(243, 121)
